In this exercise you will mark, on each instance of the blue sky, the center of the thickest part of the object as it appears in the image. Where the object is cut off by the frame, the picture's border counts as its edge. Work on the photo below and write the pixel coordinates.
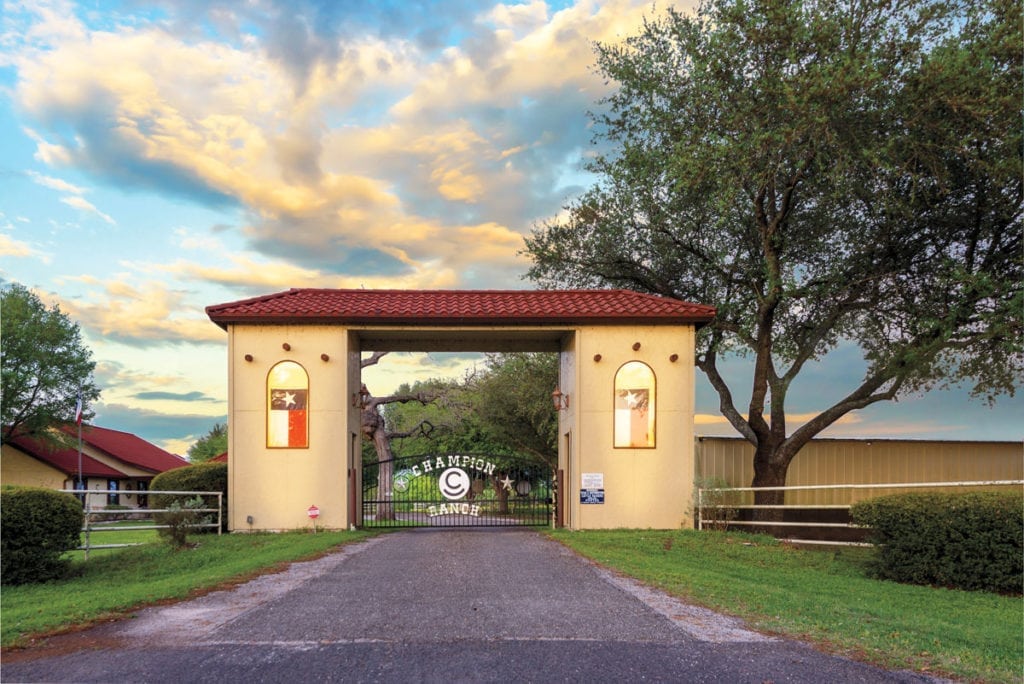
(159, 157)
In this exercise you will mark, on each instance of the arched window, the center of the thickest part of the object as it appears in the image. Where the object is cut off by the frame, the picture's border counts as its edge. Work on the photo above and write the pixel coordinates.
(634, 406)
(287, 406)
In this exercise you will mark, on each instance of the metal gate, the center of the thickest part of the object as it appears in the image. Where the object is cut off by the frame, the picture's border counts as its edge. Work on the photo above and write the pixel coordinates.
(457, 490)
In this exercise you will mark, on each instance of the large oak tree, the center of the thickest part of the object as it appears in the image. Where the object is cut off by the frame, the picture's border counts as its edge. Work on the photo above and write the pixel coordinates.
(823, 173)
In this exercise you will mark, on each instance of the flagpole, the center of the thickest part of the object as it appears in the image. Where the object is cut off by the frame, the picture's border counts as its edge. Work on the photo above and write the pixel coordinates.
(78, 419)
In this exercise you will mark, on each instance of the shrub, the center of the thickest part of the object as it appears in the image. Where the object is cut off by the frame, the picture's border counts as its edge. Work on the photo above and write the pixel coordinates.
(179, 518)
(718, 508)
(201, 477)
(964, 541)
(36, 527)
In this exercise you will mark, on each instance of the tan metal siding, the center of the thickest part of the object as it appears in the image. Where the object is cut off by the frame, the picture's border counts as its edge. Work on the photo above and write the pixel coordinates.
(849, 461)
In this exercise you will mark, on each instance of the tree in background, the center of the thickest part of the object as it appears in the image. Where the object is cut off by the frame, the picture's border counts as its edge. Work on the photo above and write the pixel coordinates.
(503, 411)
(44, 367)
(513, 400)
(211, 445)
(823, 174)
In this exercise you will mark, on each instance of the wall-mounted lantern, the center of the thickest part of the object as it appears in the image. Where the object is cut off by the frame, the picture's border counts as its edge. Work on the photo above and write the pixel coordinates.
(559, 400)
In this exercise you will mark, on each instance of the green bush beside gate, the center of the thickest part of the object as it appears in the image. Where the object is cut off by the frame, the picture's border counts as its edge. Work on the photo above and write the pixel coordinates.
(36, 527)
(965, 541)
(201, 477)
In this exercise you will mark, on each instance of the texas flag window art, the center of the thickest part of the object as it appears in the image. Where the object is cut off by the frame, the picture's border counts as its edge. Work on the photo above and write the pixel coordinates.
(288, 406)
(634, 406)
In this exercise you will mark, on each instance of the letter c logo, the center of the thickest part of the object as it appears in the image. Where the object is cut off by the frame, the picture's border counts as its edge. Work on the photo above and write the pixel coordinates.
(454, 484)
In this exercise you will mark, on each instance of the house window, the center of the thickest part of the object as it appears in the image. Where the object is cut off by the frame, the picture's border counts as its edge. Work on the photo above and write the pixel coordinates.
(142, 486)
(112, 495)
(634, 406)
(287, 406)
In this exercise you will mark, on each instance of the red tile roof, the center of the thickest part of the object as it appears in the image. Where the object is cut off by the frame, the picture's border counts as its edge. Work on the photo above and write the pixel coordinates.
(64, 460)
(461, 308)
(129, 449)
(223, 458)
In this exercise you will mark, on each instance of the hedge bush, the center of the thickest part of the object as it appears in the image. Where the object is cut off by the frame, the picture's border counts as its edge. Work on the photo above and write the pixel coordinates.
(201, 477)
(36, 527)
(965, 541)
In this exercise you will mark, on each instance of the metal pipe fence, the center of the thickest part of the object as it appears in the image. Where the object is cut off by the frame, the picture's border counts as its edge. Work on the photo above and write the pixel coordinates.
(92, 513)
(716, 511)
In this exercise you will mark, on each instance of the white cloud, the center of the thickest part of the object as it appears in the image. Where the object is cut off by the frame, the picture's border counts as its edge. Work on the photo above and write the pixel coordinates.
(55, 183)
(18, 249)
(85, 205)
(461, 142)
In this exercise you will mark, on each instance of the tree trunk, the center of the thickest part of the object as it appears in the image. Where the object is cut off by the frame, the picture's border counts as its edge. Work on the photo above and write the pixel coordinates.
(769, 471)
(385, 476)
(373, 427)
(501, 494)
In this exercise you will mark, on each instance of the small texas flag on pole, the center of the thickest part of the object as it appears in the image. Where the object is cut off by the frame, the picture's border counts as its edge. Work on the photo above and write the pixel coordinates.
(78, 408)
(286, 426)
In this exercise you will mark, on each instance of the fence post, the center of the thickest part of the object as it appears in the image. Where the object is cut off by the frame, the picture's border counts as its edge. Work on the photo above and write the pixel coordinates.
(700, 508)
(88, 524)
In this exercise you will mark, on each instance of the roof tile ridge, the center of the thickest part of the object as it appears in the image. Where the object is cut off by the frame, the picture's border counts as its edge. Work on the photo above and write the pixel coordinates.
(252, 300)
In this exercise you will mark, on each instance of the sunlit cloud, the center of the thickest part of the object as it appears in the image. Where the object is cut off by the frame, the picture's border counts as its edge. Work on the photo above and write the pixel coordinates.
(18, 249)
(463, 139)
(55, 183)
(139, 314)
(793, 420)
(85, 205)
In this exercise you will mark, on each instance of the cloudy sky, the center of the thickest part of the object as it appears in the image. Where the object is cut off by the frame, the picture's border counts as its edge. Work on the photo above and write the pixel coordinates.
(159, 157)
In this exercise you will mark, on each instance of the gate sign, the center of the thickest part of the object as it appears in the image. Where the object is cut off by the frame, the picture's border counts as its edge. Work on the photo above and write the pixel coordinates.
(313, 512)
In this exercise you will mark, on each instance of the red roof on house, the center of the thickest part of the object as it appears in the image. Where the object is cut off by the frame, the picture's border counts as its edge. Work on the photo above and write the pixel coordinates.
(223, 458)
(461, 307)
(64, 460)
(129, 448)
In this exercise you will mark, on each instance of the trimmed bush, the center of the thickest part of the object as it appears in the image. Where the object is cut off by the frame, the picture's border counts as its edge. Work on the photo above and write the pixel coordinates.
(964, 541)
(201, 477)
(36, 527)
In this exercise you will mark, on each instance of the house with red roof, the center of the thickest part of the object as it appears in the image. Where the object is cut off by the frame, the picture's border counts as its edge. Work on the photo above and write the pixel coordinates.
(110, 460)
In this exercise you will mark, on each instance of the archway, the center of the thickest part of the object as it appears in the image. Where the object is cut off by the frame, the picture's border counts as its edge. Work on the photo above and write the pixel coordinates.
(595, 333)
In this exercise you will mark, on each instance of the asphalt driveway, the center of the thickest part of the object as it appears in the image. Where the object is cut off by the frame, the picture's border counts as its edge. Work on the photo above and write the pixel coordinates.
(483, 605)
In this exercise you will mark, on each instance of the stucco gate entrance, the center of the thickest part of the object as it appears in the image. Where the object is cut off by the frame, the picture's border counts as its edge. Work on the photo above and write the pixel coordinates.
(626, 385)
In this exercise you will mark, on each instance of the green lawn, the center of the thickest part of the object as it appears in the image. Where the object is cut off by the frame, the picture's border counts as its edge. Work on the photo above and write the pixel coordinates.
(119, 580)
(114, 533)
(824, 597)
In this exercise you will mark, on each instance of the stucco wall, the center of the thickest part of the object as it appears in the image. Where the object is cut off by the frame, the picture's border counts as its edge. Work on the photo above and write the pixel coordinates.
(17, 468)
(276, 486)
(644, 487)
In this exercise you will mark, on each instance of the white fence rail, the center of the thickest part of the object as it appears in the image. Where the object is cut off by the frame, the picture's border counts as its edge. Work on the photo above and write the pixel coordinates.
(92, 513)
(711, 499)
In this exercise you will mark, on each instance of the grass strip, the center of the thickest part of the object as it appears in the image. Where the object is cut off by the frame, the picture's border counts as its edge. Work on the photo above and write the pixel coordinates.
(822, 596)
(119, 581)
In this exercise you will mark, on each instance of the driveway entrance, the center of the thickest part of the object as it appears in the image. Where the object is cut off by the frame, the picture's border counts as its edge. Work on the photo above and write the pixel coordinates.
(426, 605)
